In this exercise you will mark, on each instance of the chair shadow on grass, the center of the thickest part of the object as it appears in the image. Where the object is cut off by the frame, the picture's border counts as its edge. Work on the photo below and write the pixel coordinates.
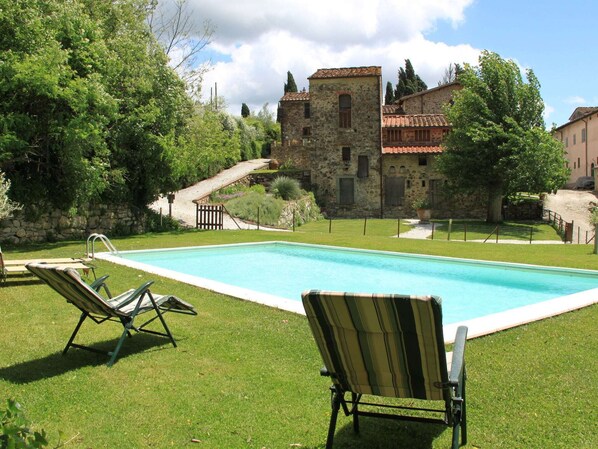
(378, 433)
(57, 364)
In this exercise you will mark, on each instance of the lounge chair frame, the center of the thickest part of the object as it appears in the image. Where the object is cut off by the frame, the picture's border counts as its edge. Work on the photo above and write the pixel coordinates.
(123, 309)
(325, 310)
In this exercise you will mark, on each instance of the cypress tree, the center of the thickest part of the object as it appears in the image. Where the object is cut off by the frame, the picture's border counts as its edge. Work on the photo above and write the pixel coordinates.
(389, 98)
(290, 85)
(245, 110)
(409, 82)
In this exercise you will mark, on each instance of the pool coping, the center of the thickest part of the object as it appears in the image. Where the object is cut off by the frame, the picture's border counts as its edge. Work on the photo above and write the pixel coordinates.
(477, 327)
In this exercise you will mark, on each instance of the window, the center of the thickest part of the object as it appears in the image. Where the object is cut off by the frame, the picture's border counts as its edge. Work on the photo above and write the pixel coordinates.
(423, 160)
(583, 135)
(363, 166)
(344, 111)
(393, 135)
(422, 135)
(578, 162)
(566, 142)
(574, 139)
(346, 154)
(346, 191)
(307, 131)
(423, 183)
(306, 110)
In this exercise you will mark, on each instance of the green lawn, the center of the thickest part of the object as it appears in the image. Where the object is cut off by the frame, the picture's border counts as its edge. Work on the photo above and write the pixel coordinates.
(247, 376)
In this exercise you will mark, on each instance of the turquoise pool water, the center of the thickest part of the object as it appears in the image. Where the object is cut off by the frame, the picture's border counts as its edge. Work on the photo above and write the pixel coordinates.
(469, 289)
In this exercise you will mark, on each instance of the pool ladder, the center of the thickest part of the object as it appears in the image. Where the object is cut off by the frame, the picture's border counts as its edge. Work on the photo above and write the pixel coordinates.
(102, 238)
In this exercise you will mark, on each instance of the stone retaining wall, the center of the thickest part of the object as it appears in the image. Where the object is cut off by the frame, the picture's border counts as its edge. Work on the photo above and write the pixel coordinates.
(59, 225)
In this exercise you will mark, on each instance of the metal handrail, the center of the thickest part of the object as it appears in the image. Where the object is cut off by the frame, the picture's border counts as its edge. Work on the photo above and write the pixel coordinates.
(105, 240)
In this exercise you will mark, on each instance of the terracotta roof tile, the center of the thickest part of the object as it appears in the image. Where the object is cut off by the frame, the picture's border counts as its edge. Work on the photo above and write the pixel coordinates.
(414, 149)
(415, 121)
(391, 109)
(348, 72)
(295, 96)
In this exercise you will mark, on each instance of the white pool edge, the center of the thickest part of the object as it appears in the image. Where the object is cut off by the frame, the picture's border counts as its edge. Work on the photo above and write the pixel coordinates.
(477, 327)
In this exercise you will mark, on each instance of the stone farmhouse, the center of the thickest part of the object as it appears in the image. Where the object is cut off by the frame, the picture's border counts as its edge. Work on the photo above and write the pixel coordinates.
(580, 138)
(365, 158)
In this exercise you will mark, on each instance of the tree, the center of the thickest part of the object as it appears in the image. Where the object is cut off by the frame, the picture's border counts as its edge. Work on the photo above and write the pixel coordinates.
(245, 110)
(7, 207)
(389, 97)
(182, 40)
(409, 82)
(498, 143)
(290, 85)
(451, 73)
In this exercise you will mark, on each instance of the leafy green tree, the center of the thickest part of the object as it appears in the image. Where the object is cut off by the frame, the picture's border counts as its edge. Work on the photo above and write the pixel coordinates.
(89, 107)
(245, 111)
(498, 143)
(409, 82)
(290, 85)
(389, 97)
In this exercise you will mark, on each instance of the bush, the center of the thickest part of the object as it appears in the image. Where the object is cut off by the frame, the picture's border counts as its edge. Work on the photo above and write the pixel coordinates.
(286, 188)
(15, 429)
(246, 208)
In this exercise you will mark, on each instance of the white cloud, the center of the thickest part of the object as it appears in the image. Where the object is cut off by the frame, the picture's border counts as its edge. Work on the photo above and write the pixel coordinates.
(576, 100)
(259, 41)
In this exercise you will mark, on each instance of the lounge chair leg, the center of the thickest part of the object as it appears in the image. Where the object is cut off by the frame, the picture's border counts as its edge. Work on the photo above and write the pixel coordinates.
(464, 412)
(355, 412)
(70, 342)
(119, 344)
(336, 403)
(162, 320)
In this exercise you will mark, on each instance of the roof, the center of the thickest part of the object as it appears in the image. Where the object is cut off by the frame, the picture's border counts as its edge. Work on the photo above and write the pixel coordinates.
(413, 149)
(582, 112)
(348, 72)
(415, 121)
(295, 96)
(392, 109)
(579, 114)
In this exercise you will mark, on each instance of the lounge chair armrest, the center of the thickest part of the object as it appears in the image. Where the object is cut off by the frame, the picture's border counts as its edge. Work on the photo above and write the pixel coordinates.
(99, 282)
(458, 362)
(138, 293)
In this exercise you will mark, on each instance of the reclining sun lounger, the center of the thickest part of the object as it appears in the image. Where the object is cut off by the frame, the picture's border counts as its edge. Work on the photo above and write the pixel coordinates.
(388, 346)
(123, 308)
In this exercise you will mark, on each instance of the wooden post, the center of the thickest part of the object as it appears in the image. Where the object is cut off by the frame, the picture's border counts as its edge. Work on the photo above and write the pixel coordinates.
(448, 237)
(497, 228)
(258, 218)
(596, 239)
(465, 232)
(531, 233)
(433, 230)
(398, 227)
(330, 226)
(293, 220)
(365, 223)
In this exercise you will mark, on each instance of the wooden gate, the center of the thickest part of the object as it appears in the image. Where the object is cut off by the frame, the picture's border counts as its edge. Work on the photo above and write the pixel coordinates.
(209, 216)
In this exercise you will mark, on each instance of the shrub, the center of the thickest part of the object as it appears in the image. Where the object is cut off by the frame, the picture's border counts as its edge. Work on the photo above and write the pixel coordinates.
(286, 188)
(246, 208)
(7, 207)
(15, 429)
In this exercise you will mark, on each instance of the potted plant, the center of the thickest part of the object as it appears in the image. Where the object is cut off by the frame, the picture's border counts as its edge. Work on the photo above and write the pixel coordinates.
(424, 209)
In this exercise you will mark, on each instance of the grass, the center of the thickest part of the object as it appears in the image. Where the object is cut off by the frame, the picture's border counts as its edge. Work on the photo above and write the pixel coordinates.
(468, 230)
(246, 376)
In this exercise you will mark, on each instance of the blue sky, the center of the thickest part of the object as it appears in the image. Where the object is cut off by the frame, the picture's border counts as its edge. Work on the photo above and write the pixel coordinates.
(554, 39)
(257, 41)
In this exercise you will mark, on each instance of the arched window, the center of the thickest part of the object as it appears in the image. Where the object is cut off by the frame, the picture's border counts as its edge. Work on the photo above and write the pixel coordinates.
(344, 110)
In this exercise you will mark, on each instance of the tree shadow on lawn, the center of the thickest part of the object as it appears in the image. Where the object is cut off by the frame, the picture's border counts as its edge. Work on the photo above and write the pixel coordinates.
(380, 433)
(57, 364)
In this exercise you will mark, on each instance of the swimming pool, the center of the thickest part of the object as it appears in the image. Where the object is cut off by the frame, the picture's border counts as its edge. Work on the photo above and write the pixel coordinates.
(275, 273)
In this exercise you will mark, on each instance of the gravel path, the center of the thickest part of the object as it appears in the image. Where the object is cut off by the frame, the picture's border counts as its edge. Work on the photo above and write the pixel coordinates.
(573, 205)
(183, 208)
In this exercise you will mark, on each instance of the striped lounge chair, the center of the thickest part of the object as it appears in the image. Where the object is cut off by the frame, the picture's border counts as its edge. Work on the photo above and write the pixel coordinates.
(389, 346)
(123, 308)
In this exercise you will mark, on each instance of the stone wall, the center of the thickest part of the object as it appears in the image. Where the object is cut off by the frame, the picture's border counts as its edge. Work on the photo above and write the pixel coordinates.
(59, 225)
(420, 180)
(362, 138)
(430, 101)
(292, 154)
